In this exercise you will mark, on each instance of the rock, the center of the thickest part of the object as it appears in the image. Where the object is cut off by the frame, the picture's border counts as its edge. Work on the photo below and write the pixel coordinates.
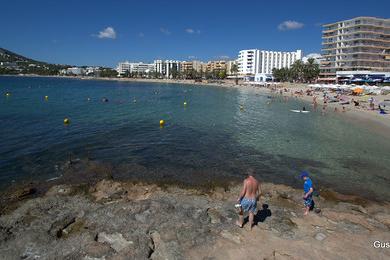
(59, 190)
(351, 227)
(284, 195)
(214, 215)
(96, 250)
(107, 189)
(23, 193)
(162, 250)
(320, 236)
(115, 240)
(142, 217)
(383, 218)
(58, 226)
(232, 237)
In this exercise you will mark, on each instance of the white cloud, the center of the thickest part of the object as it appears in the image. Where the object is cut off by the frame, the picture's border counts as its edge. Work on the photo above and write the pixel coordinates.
(223, 57)
(165, 31)
(192, 31)
(315, 56)
(108, 33)
(290, 25)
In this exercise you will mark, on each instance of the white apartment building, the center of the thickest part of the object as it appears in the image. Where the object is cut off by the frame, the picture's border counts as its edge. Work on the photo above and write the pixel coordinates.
(255, 61)
(73, 71)
(134, 67)
(167, 67)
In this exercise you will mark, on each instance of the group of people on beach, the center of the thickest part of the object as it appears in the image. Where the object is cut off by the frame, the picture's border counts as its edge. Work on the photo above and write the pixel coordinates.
(250, 195)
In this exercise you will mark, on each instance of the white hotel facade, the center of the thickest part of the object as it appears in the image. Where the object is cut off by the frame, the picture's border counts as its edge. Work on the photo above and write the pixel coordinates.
(134, 67)
(255, 61)
(166, 67)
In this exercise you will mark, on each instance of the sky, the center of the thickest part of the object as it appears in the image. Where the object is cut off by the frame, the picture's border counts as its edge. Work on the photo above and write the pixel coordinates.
(104, 33)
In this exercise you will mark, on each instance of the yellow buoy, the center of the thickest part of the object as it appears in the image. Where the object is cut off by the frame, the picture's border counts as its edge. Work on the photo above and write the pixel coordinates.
(185, 103)
(162, 122)
(46, 97)
(66, 121)
(8, 94)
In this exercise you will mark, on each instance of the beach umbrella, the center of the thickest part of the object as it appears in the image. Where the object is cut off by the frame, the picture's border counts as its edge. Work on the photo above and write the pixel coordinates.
(358, 90)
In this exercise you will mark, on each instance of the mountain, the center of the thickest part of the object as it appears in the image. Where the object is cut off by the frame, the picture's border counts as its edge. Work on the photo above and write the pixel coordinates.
(13, 63)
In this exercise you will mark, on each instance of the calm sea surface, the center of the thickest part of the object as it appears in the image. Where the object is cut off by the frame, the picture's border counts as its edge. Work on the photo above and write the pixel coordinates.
(209, 139)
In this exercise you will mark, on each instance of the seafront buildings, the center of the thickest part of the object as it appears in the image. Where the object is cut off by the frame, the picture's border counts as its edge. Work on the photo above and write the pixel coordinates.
(216, 65)
(134, 67)
(191, 66)
(255, 61)
(167, 68)
(359, 46)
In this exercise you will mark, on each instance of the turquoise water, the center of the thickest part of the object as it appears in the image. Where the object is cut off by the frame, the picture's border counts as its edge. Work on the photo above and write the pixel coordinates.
(209, 139)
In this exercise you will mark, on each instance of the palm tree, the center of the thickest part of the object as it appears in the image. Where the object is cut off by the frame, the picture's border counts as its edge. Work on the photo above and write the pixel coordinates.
(311, 70)
(234, 70)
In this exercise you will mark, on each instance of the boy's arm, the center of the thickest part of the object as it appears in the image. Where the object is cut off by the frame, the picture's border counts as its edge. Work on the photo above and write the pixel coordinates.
(309, 192)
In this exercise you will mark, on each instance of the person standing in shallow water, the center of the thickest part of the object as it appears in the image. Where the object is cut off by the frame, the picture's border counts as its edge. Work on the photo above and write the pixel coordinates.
(308, 192)
(248, 198)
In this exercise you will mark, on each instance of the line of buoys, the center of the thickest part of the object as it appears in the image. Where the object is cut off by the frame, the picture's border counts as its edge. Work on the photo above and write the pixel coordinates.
(162, 123)
(66, 121)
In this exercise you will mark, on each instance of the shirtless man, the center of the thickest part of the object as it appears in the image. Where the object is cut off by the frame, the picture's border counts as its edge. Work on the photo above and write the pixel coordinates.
(248, 199)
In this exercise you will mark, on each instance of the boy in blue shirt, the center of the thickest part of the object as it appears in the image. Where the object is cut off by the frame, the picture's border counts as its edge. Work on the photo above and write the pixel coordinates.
(308, 191)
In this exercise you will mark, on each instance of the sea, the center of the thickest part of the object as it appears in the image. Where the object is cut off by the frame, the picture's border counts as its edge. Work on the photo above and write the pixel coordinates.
(210, 135)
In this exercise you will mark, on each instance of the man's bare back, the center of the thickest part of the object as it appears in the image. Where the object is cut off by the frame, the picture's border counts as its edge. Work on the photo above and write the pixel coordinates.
(251, 188)
(249, 195)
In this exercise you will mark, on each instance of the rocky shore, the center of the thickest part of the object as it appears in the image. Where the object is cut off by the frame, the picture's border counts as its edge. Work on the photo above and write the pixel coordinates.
(122, 220)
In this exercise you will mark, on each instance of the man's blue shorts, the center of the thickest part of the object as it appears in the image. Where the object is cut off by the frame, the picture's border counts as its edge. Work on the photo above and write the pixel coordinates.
(249, 205)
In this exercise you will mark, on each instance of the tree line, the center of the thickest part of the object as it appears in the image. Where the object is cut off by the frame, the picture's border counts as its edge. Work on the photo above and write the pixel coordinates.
(298, 72)
(177, 74)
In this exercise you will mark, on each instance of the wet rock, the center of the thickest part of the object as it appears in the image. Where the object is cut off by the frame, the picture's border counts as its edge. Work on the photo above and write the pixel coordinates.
(24, 193)
(320, 236)
(115, 240)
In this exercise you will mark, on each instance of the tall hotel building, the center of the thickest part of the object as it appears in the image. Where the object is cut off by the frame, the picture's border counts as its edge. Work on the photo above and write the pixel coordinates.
(254, 61)
(361, 44)
(166, 67)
